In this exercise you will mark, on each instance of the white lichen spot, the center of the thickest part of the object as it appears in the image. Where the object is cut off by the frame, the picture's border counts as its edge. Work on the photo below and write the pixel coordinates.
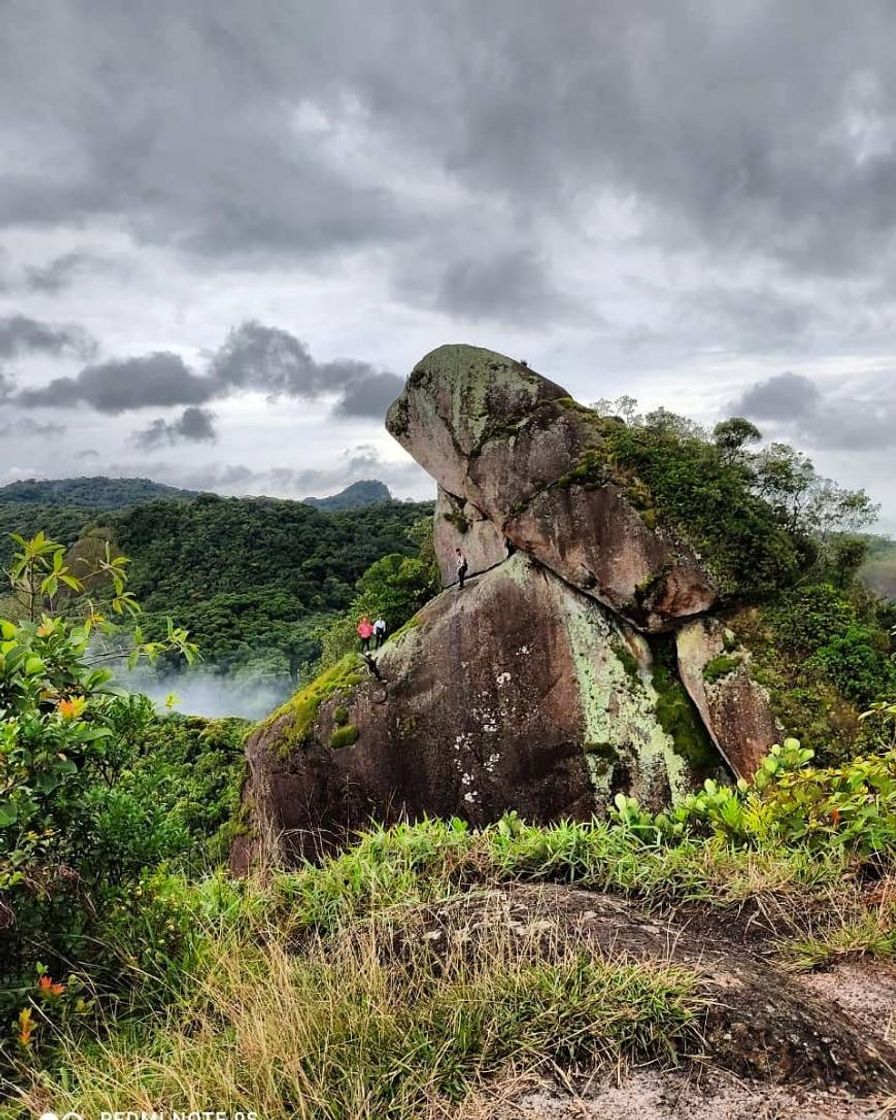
(502, 679)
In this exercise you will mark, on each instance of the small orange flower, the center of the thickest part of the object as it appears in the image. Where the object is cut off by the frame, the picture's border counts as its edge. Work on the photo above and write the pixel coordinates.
(71, 708)
(26, 1026)
(46, 985)
(835, 816)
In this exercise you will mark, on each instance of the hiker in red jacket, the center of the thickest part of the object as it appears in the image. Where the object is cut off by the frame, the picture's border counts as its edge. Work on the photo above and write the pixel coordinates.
(365, 633)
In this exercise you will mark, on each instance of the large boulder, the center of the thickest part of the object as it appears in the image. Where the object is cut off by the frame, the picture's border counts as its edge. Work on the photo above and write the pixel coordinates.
(734, 708)
(517, 448)
(516, 693)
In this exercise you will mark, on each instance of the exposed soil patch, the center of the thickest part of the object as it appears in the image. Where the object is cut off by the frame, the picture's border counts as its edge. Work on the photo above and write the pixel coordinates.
(762, 1023)
(865, 989)
(652, 1095)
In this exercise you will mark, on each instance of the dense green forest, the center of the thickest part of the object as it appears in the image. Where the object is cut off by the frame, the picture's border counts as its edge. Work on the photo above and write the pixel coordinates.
(98, 492)
(256, 581)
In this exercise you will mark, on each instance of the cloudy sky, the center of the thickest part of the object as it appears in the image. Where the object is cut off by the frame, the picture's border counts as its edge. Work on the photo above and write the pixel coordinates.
(231, 227)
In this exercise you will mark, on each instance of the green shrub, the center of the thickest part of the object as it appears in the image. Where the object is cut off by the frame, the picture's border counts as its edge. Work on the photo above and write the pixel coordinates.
(71, 830)
(851, 807)
(709, 502)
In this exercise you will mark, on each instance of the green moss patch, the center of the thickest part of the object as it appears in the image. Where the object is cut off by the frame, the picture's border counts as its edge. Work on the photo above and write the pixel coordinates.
(456, 518)
(303, 707)
(592, 470)
(344, 736)
(628, 661)
(721, 666)
(411, 624)
(677, 715)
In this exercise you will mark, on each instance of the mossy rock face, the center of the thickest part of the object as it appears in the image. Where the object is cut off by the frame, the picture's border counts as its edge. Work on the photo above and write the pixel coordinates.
(677, 715)
(543, 472)
(733, 706)
(296, 717)
(517, 693)
(458, 524)
(628, 661)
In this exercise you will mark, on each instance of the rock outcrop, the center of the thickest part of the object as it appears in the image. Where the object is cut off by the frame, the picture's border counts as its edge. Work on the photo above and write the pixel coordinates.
(514, 446)
(459, 524)
(518, 693)
(734, 708)
(546, 685)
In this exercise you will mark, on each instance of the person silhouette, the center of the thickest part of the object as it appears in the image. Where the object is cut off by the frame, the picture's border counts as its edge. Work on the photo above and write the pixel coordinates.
(462, 568)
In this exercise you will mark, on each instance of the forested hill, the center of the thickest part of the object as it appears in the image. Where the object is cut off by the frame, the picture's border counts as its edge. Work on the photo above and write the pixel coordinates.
(366, 492)
(97, 492)
(255, 580)
(187, 553)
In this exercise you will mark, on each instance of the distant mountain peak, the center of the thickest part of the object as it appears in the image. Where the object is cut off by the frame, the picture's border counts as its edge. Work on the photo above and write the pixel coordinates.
(365, 492)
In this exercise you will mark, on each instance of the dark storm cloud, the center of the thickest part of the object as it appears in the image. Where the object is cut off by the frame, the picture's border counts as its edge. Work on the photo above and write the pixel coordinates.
(259, 357)
(194, 425)
(781, 398)
(254, 357)
(154, 379)
(275, 362)
(852, 414)
(512, 284)
(732, 124)
(369, 395)
(21, 335)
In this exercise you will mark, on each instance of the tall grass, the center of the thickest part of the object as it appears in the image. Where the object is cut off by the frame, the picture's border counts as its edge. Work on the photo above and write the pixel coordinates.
(318, 994)
(373, 1023)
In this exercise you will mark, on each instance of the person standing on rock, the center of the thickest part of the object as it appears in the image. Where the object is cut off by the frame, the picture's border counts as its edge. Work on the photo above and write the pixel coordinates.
(461, 562)
(379, 630)
(365, 633)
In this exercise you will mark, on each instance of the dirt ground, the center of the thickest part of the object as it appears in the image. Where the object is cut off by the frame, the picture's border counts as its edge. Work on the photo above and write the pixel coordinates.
(779, 1044)
(653, 1095)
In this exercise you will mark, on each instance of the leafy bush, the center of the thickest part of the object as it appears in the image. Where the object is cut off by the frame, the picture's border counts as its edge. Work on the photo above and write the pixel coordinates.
(823, 654)
(394, 588)
(851, 807)
(708, 500)
(68, 830)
